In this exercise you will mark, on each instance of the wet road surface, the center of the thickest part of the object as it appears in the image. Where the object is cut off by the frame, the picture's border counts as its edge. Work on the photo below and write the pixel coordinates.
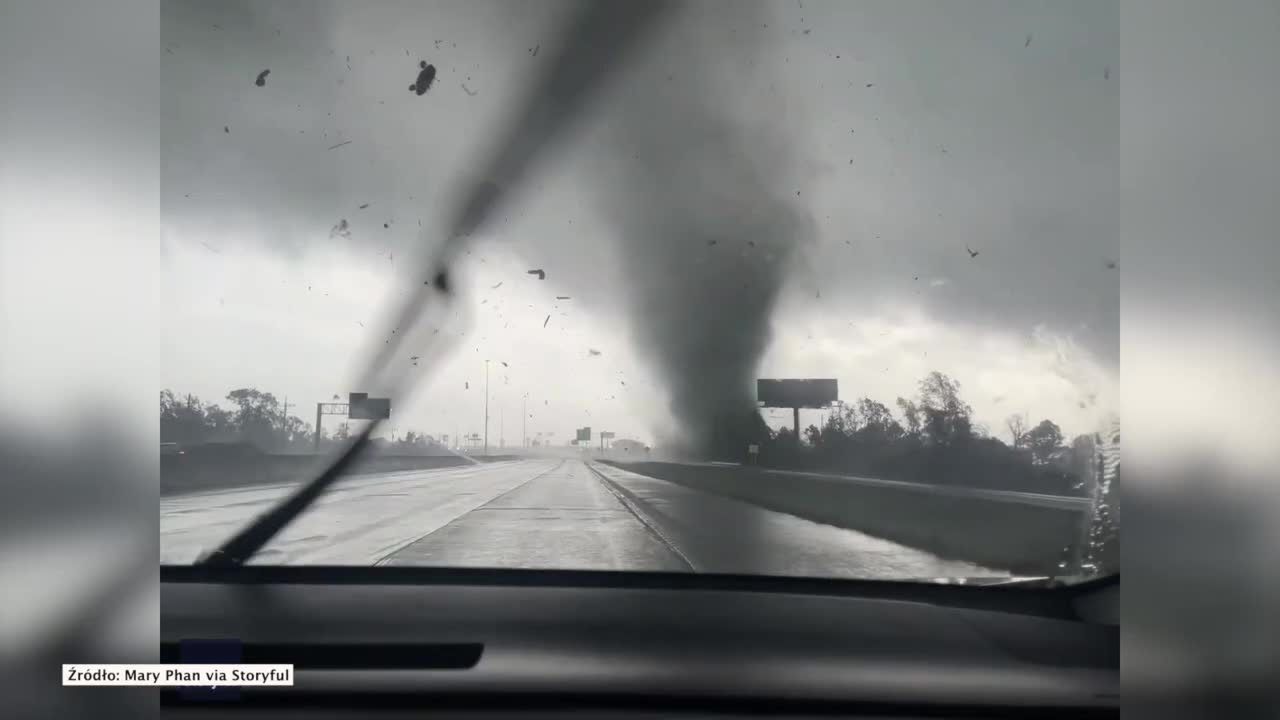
(543, 513)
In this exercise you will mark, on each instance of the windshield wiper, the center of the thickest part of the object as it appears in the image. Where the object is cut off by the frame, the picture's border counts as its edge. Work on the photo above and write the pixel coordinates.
(597, 39)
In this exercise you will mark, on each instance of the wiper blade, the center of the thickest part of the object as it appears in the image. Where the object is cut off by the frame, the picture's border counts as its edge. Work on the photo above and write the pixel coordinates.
(597, 40)
(251, 538)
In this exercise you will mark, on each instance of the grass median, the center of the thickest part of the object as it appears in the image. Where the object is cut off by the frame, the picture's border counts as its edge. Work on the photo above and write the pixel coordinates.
(1017, 537)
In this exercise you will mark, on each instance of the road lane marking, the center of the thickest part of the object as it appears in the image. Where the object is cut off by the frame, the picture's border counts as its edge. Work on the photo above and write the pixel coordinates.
(632, 506)
(388, 554)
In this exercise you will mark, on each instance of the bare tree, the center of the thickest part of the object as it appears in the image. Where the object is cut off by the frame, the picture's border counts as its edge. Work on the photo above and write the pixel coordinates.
(1017, 425)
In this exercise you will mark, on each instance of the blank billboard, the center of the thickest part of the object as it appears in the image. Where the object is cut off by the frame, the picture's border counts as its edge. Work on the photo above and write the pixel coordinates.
(801, 393)
(362, 407)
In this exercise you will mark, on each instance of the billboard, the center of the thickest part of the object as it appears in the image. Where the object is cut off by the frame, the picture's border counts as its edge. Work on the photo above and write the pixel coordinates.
(362, 407)
(799, 393)
(584, 434)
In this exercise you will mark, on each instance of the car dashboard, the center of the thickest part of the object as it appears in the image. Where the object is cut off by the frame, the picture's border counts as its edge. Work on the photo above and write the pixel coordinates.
(476, 643)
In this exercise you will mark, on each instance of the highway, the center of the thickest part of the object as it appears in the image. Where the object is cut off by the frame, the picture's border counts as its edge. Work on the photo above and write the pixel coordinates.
(542, 513)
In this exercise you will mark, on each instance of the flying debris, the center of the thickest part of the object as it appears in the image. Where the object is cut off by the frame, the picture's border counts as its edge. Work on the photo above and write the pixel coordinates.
(364, 206)
(563, 297)
(414, 357)
(468, 90)
(504, 364)
(342, 229)
(262, 78)
(466, 385)
(495, 287)
(542, 274)
(335, 397)
(226, 128)
(972, 253)
(593, 352)
(425, 78)
(544, 322)
(344, 142)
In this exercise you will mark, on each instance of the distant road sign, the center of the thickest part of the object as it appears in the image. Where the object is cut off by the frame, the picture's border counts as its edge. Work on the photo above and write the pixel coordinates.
(584, 434)
(798, 393)
(607, 435)
(363, 407)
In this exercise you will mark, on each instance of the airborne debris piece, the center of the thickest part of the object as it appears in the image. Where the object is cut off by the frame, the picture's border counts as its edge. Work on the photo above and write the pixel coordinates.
(262, 78)
(593, 352)
(542, 274)
(364, 206)
(495, 287)
(972, 253)
(226, 128)
(415, 357)
(335, 397)
(425, 78)
(1111, 264)
(466, 385)
(344, 142)
(468, 90)
(563, 297)
(544, 322)
(871, 84)
(342, 229)
(1106, 73)
(1028, 42)
(504, 364)
(534, 51)
(385, 225)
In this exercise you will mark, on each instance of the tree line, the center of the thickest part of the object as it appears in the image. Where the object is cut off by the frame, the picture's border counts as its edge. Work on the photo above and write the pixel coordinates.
(933, 438)
(256, 418)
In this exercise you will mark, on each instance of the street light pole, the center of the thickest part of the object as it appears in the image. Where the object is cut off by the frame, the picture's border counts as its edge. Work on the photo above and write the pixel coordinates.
(524, 421)
(486, 407)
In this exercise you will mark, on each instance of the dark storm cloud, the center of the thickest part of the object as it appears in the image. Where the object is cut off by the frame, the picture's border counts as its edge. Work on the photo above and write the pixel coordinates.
(969, 137)
(338, 78)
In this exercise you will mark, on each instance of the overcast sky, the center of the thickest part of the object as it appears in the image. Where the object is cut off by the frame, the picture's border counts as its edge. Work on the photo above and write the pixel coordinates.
(911, 132)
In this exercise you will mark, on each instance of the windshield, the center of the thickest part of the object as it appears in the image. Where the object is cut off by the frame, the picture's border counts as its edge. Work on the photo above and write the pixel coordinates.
(798, 288)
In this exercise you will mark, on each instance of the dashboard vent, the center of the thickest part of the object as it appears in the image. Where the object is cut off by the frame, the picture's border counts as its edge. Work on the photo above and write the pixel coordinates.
(346, 656)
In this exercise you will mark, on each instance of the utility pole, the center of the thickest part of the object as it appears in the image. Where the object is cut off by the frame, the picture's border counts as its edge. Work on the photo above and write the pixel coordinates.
(486, 407)
(524, 421)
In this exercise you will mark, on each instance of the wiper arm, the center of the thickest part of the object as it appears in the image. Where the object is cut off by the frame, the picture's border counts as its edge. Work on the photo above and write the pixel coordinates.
(597, 40)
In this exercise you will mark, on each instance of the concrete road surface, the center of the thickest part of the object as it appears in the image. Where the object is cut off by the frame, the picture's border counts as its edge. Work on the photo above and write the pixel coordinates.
(545, 513)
